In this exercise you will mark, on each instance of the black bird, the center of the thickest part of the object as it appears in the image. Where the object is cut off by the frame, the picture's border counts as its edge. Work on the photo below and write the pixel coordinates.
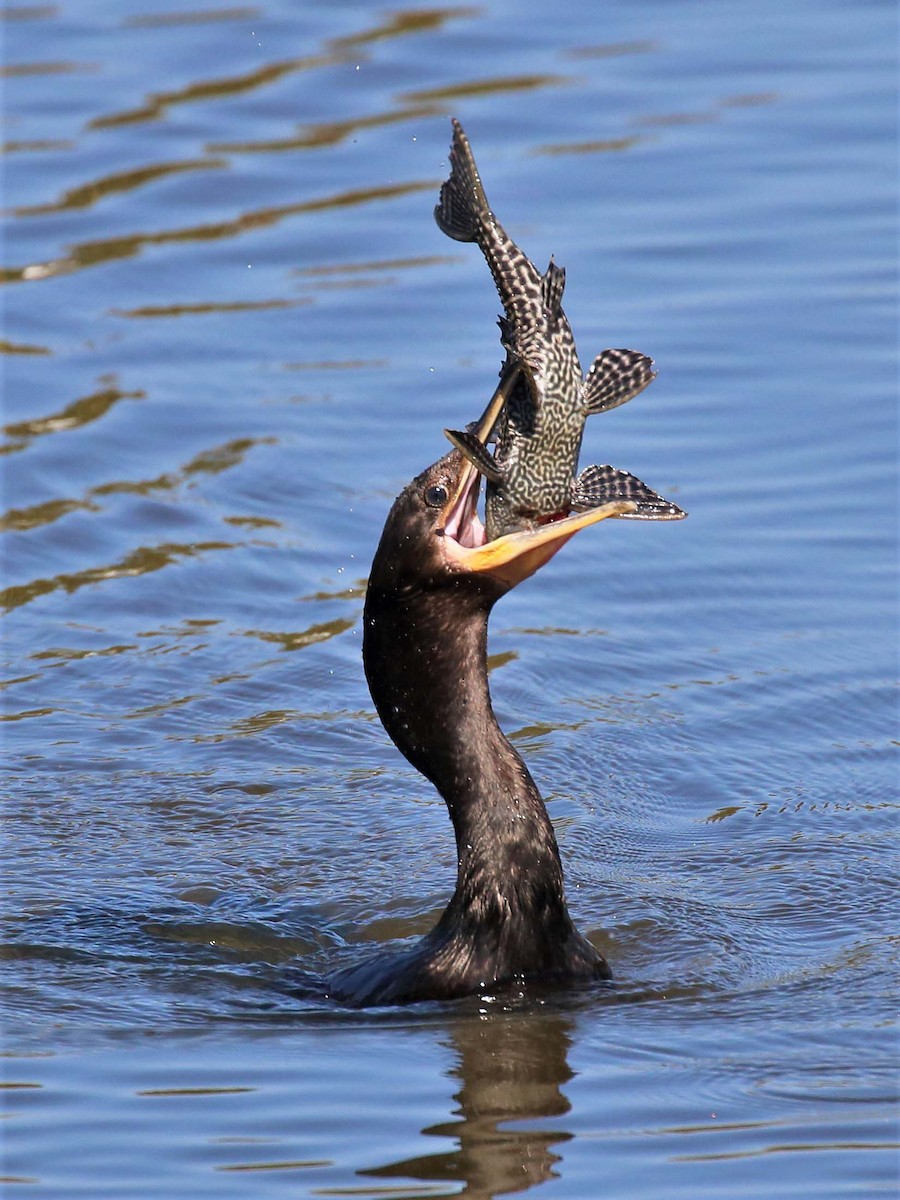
(433, 583)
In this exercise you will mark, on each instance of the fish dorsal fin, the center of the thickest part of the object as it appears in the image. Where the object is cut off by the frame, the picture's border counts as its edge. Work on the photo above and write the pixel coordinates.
(615, 377)
(603, 485)
(469, 445)
(553, 284)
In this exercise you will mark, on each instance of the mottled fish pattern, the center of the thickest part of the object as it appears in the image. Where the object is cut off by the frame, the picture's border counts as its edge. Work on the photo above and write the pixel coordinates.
(531, 476)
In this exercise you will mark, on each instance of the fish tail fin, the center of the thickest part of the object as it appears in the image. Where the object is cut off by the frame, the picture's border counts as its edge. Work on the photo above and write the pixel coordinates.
(615, 377)
(601, 485)
(468, 444)
(463, 206)
(553, 284)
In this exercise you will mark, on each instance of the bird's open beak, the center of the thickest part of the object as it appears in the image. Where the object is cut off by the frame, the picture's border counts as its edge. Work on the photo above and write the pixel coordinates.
(515, 556)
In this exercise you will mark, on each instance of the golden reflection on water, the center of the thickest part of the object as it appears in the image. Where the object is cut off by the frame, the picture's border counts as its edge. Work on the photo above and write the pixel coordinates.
(29, 12)
(28, 713)
(222, 458)
(357, 592)
(254, 522)
(613, 49)
(68, 654)
(326, 133)
(294, 1164)
(351, 285)
(20, 70)
(164, 706)
(22, 348)
(749, 100)
(269, 719)
(158, 102)
(196, 17)
(194, 1091)
(305, 637)
(119, 181)
(201, 309)
(343, 364)
(36, 145)
(251, 726)
(495, 661)
(676, 119)
(342, 277)
(384, 264)
(336, 51)
(75, 415)
(209, 462)
(410, 105)
(43, 514)
(598, 146)
(141, 561)
(104, 250)
(487, 87)
(414, 20)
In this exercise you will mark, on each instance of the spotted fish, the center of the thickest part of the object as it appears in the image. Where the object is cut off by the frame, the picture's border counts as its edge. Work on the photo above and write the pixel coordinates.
(531, 476)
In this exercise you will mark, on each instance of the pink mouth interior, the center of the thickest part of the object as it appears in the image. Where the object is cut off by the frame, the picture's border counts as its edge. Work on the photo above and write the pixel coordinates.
(463, 523)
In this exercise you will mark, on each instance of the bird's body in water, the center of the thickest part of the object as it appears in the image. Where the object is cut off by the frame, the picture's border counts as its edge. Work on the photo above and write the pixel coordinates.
(531, 476)
(433, 583)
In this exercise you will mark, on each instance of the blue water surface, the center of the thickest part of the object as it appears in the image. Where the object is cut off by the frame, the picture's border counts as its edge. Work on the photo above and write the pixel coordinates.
(232, 333)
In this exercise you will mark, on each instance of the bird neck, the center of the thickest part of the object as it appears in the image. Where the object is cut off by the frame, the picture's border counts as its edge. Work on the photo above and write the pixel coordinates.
(425, 655)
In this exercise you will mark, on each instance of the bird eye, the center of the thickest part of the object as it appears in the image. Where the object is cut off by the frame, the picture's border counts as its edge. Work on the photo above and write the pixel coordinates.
(436, 496)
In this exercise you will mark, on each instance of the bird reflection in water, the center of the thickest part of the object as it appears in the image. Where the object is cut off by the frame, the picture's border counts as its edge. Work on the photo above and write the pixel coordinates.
(511, 1068)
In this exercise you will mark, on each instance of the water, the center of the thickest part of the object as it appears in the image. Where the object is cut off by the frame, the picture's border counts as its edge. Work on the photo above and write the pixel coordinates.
(233, 332)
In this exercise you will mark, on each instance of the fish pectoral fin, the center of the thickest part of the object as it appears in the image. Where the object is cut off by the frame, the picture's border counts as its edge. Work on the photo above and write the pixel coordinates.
(474, 450)
(553, 284)
(616, 377)
(604, 485)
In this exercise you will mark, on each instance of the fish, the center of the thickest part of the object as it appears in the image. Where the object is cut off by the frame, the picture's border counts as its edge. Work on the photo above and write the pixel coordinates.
(544, 398)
